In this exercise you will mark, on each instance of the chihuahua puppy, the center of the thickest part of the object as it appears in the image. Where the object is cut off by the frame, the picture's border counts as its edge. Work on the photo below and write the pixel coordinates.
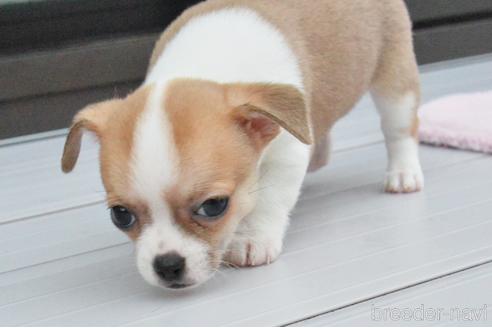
(203, 163)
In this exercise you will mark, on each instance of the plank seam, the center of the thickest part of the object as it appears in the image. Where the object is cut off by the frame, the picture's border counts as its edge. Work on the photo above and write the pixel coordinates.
(423, 282)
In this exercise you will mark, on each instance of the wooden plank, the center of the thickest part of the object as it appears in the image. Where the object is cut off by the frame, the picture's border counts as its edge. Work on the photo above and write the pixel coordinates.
(456, 300)
(339, 240)
(74, 231)
(266, 295)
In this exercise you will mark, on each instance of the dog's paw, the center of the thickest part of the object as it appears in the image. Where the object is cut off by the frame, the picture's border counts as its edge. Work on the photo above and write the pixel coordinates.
(404, 180)
(244, 252)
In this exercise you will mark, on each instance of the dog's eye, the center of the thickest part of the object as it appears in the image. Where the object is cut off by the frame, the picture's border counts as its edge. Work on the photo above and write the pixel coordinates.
(122, 218)
(212, 208)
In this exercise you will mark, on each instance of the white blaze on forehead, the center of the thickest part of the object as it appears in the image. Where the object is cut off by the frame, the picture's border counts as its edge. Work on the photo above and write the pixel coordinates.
(154, 154)
(154, 169)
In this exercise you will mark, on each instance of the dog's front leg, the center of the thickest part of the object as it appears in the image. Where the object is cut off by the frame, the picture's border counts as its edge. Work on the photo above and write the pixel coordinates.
(259, 237)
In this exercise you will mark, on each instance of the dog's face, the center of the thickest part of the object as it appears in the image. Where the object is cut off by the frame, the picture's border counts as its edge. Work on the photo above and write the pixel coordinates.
(179, 163)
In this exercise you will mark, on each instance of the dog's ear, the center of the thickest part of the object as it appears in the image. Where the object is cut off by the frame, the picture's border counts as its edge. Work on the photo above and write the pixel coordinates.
(261, 109)
(92, 118)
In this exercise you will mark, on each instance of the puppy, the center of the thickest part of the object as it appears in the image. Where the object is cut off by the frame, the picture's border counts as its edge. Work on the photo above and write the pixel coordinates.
(203, 163)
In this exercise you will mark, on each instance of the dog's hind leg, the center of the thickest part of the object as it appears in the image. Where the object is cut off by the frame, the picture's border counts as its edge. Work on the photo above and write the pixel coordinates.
(396, 94)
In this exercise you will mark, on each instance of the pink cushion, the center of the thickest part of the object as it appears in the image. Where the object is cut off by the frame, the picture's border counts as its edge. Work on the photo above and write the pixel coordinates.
(462, 121)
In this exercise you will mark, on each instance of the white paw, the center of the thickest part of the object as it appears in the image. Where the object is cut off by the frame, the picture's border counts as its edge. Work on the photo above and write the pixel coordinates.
(255, 251)
(404, 180)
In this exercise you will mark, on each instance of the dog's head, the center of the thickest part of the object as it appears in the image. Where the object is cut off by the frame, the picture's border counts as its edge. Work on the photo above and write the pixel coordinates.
(179, 163)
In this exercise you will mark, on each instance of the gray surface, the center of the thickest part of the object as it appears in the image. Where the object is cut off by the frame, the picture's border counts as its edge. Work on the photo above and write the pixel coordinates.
(456, 300)
(62, 262)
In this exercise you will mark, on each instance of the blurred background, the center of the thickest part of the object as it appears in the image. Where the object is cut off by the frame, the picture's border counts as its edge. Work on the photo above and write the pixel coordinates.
(58, 55)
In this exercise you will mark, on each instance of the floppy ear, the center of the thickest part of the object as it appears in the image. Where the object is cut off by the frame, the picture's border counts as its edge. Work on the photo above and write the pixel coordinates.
(91, 118)
(263, 108)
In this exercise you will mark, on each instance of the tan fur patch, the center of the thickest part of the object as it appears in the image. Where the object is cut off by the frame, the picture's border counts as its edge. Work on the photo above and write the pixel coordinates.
(141, 211)
(217, 150)
(115, 156)
(114, 125)
(282, 104)
(215, 155)
(92, 118)
(414, 131)
(113, 122)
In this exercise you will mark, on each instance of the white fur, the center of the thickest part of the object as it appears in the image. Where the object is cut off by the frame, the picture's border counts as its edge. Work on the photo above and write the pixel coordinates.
(237, 45)
(154, 158)
(154, 167)
(230, 45)
(258, 239)
(164, 236)
(404, 173)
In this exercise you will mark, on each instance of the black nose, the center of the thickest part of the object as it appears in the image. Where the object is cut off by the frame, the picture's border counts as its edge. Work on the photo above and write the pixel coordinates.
(170, 266)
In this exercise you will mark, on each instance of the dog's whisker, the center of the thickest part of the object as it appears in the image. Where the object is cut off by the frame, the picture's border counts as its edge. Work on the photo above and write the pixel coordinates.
(217, 271)
(260, 189)
(230, 264)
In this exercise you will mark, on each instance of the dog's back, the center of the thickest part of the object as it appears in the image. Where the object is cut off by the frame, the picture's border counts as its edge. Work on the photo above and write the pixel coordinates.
(341, 45)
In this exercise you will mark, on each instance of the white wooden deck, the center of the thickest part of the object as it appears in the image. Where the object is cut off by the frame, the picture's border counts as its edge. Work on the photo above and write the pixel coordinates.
(350, 247)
